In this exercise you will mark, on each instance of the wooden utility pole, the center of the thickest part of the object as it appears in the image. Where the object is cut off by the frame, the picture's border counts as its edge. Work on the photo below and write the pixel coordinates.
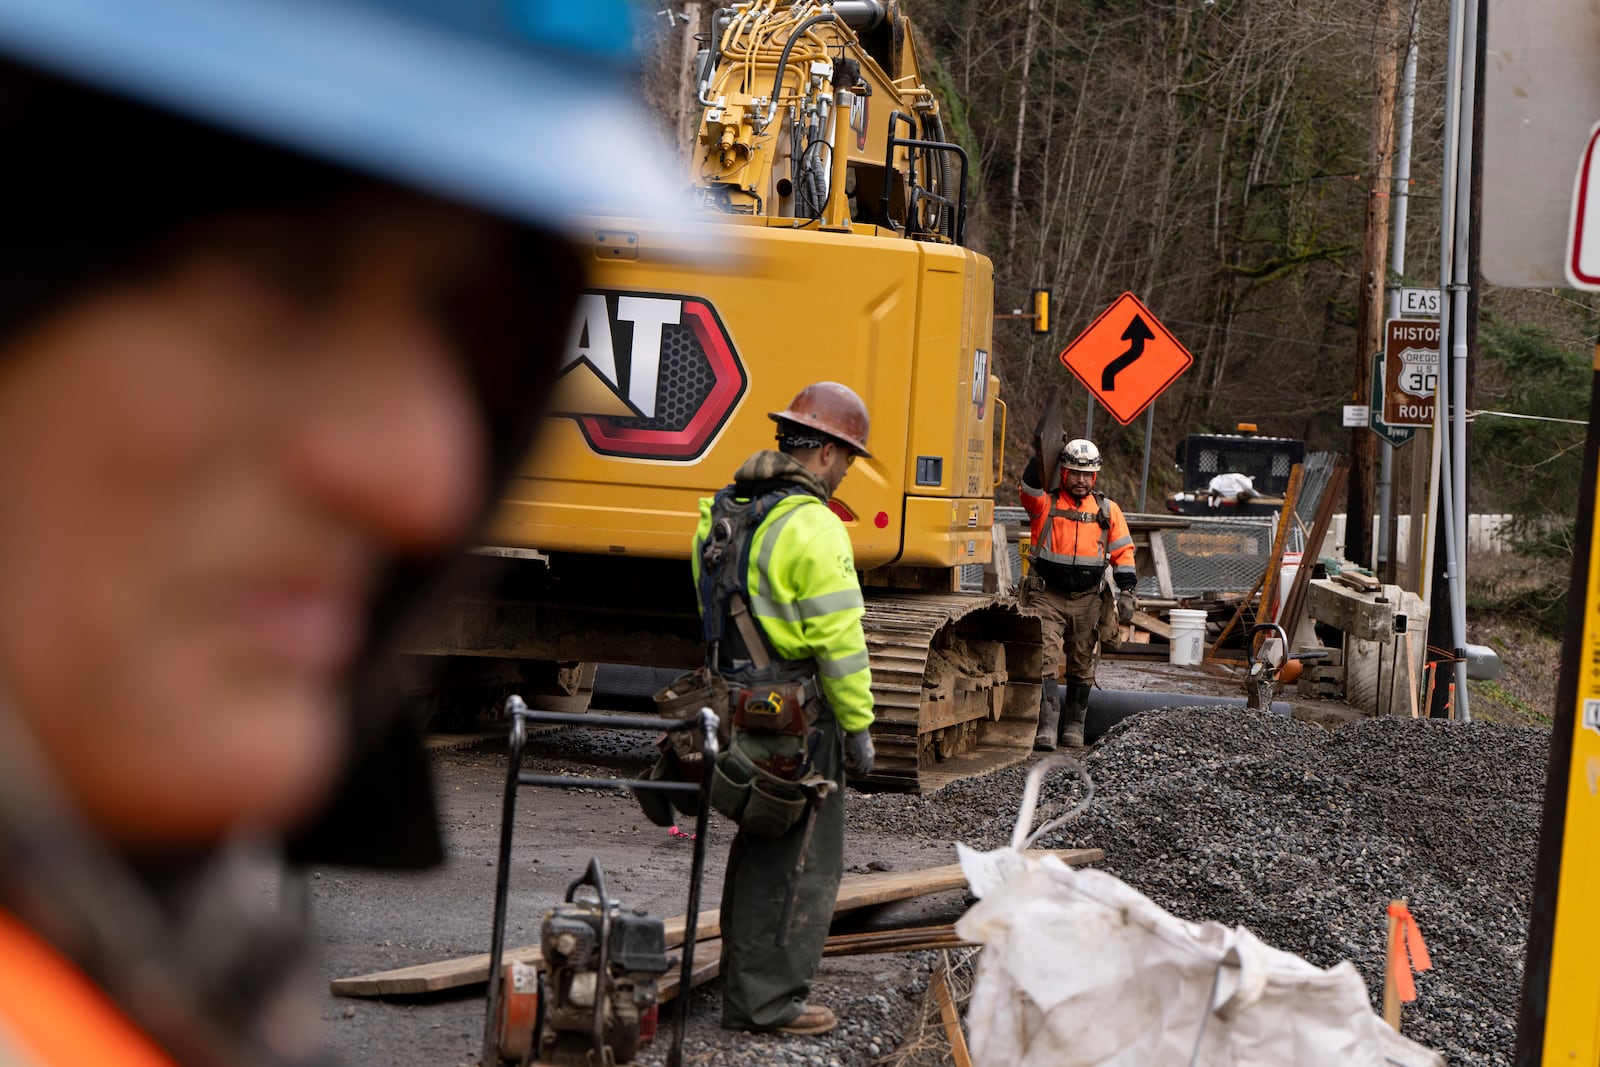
(1374, 273)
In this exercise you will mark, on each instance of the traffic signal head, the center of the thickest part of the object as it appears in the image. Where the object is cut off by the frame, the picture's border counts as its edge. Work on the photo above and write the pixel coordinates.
(1041, 311)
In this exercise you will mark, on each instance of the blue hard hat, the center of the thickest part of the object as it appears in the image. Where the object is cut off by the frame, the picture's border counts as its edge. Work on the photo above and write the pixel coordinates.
(520, 107)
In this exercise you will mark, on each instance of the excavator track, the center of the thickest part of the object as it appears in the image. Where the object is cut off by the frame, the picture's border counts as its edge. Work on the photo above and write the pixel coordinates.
(955, 679)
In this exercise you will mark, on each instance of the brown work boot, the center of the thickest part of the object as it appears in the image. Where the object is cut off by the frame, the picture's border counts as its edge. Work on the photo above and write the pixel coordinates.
(813, 1019)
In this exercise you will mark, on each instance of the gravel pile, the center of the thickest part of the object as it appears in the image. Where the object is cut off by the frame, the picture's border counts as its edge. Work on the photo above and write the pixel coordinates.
(1303, 836)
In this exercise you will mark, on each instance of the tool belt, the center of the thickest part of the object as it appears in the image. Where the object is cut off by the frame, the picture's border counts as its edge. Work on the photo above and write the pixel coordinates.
(1032, 585)
(767, 712)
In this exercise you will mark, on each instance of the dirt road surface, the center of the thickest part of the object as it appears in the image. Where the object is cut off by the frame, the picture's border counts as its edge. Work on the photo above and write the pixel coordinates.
(367, 922)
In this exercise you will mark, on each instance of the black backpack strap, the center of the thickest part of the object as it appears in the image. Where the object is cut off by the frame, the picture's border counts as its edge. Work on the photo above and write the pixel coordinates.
(725, 569)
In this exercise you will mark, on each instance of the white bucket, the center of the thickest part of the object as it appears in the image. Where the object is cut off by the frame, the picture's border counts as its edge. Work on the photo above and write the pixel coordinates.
(1188, 636)
(1286, 573)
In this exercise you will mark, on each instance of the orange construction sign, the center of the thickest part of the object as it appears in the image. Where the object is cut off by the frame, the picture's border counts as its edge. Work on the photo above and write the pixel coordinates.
(1126, 358)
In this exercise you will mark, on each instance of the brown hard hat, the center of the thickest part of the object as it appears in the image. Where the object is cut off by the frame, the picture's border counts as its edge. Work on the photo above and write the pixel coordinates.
(832, 409)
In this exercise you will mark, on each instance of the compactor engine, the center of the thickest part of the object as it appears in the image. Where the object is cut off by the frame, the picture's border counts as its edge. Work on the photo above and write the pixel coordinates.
(588, 954)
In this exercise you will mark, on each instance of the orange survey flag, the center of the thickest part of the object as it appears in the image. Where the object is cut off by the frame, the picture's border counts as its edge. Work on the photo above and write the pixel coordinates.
(1413, 955)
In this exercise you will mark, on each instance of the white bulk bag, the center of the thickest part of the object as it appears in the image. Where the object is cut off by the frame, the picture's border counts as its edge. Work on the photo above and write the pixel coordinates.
(1079, 969)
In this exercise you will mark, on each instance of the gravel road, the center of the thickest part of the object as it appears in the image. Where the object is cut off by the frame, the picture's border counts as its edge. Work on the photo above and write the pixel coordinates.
(1304, 835)
(1300, 833)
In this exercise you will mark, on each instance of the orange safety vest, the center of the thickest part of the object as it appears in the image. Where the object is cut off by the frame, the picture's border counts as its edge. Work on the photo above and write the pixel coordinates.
(51, 1015)
(1069, 537)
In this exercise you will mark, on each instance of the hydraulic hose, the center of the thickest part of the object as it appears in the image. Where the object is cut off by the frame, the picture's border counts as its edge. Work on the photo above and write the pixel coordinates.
(783, 62)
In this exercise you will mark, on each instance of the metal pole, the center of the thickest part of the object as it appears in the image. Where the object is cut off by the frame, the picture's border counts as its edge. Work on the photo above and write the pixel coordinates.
(1088, 421)
(1452, 104)
(1461, 282)
(1397, 267)
(1149, 433)
(1452, 324)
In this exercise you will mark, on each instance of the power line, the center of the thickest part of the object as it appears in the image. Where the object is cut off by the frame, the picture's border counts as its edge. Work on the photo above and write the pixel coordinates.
(1533, 418)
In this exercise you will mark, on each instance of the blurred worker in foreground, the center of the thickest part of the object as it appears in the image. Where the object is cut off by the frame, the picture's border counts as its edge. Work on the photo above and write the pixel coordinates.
(768, 547)
(281, 287)
(1076, 532)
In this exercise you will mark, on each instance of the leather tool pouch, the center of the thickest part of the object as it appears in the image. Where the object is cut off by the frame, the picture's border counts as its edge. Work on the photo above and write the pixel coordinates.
(762, 803)
(683, 699)
(1109, 630)
(683, 750)
(771, 709)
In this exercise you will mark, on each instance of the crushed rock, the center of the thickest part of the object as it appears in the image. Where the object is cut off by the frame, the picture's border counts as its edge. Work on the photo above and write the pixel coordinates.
(1303, 836)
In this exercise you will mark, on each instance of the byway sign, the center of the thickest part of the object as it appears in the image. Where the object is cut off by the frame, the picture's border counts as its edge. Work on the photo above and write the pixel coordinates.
(1395, 435)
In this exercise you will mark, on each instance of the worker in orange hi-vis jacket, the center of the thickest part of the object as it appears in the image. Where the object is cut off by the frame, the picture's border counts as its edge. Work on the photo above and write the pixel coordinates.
(282, 290)
(1076, 533)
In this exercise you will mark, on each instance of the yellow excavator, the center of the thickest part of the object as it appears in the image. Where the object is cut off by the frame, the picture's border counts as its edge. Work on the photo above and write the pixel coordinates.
(833, 206)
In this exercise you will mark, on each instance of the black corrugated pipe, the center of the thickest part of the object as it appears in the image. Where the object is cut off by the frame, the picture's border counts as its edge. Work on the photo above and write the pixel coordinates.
(1107, 707)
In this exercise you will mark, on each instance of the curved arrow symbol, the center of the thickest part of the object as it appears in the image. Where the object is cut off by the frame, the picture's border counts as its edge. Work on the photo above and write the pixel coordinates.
(1136, 335)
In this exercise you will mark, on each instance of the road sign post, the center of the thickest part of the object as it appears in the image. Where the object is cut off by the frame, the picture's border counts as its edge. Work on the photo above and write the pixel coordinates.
(1126, 358)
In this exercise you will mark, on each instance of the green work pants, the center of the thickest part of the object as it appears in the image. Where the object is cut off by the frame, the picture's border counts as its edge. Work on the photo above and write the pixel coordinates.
(763, 985)
(1070, 622)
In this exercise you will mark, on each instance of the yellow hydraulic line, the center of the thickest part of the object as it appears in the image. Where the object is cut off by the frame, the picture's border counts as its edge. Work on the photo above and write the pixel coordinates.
(836, 213)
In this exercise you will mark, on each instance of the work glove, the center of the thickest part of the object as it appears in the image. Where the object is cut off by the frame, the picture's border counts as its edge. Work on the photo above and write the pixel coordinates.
(858, 753)
(1126, 604)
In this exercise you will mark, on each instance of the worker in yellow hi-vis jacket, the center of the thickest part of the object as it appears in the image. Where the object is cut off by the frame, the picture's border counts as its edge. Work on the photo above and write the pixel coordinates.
(781, 608)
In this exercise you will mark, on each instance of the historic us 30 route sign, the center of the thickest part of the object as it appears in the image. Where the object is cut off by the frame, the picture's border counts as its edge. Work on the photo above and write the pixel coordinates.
(1126, 358)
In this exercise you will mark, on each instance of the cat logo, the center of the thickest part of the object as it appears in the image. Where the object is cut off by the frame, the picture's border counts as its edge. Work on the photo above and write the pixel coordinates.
(648, 375)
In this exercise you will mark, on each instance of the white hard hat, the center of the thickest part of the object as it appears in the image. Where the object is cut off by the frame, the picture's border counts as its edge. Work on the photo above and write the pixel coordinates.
(1080, 455)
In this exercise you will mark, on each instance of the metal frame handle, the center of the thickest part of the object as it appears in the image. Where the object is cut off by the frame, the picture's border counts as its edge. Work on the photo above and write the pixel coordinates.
(706, 722)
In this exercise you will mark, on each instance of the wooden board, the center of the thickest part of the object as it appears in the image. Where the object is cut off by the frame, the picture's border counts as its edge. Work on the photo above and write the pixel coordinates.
(997, 576)
(1361, 583)
(707, 965)
(1150, 624)
(855, 892)
(1158, 556)
(1048, 437)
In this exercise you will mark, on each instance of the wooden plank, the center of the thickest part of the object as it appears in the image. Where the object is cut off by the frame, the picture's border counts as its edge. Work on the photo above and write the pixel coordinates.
(855, 892)
(1391, 995)
(1048, 438)
(997, 576)
(939, 986)
(1150, 624)
(1280, 541)
(474, 969)
(707, 965)
(1294, 604)
(1411, 672)
(1158, 556)
(1361, 583)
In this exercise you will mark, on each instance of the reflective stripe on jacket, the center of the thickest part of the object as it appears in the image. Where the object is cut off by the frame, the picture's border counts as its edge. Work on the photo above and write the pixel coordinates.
(1069, 536)
(806, 599)
(51, 1015)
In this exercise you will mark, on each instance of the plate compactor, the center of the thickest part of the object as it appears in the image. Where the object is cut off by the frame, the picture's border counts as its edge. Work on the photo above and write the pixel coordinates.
(591, 998)
(595, 1000)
